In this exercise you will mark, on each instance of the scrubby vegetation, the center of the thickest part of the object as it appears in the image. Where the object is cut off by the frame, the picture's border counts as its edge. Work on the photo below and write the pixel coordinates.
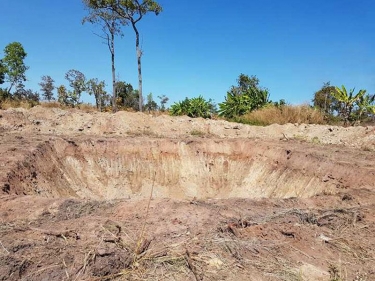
(194, 107)
(339, 104)
(247, 102)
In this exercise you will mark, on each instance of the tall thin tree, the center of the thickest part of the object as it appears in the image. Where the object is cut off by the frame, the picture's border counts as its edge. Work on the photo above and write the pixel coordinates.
(110, 23)
(131, 11)
(134, 11)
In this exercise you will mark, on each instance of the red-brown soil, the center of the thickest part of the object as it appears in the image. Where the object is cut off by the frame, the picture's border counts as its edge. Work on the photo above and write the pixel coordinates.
(228, 201)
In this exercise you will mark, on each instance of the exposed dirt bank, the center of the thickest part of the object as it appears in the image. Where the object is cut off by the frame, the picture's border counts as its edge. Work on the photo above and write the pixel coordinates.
(110, 168)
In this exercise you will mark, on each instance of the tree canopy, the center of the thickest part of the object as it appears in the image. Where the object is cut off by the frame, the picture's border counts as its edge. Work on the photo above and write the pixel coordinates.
(47, 86)
(13, 66)
(77, 80)
(96, 88)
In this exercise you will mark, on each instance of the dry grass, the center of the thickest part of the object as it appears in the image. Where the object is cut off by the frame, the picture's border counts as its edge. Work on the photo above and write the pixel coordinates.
(197, 133)
(9, 103)
(86, 107)
(52, 104)
(283, 115)
(156, 113)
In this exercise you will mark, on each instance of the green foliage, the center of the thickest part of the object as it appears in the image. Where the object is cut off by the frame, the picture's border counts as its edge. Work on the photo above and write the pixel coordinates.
(235, 105)
(13, 68)
(366, 106)
(324, 99)
(279, 103)
(194, 107)
(62, 95)
(243, 98)
(347, 101)
(180, 108)
(339, 104)
(96, 88)
(151, 105)
(127, 97)
(107, 19)
(77, 81)
(47, 87)
(126, 9)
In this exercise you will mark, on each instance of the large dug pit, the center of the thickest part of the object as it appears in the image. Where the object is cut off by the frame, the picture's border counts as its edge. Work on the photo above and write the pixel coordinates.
(202, 168)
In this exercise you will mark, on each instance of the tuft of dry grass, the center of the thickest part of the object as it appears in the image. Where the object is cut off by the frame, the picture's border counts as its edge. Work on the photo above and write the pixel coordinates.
(87, 107)
(197, 133)
(283, 115)
(52, 104)
(10, 103)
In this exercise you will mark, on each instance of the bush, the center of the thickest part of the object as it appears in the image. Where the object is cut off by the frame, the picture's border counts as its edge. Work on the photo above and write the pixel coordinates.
(247, 96)
(195, 107)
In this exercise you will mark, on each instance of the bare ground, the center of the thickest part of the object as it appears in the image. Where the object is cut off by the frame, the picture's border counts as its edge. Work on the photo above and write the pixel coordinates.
(229, 201)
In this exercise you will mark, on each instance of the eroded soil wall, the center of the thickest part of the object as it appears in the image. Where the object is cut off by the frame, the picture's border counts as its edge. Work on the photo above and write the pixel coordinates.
(109, 168)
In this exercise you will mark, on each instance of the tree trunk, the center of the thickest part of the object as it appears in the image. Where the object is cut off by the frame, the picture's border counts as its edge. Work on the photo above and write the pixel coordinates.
(114, 96)
(10, 88)
(98, 96)
(139, 56)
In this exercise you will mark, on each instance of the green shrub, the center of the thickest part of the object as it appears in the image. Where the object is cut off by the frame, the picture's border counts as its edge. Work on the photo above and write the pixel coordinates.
(194, 107)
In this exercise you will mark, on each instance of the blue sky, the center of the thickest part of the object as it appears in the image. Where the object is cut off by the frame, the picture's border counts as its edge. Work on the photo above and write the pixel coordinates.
(199, 47)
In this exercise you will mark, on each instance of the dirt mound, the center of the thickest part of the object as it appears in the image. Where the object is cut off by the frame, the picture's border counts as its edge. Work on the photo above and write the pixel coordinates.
(229, 201)
(47, 121)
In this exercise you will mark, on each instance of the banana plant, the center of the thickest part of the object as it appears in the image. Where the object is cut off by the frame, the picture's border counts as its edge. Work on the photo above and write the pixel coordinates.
(234, 105)
(199, 107)
(237, 104)
(347, 101)
(365, 105)
(194, 107)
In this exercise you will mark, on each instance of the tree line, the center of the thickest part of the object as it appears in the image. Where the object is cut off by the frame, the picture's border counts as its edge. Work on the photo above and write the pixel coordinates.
(337, 104)
(111, 16)
(13, 72)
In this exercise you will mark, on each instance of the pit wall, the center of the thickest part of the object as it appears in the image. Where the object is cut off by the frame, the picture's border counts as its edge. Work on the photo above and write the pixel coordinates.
(127, 168)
